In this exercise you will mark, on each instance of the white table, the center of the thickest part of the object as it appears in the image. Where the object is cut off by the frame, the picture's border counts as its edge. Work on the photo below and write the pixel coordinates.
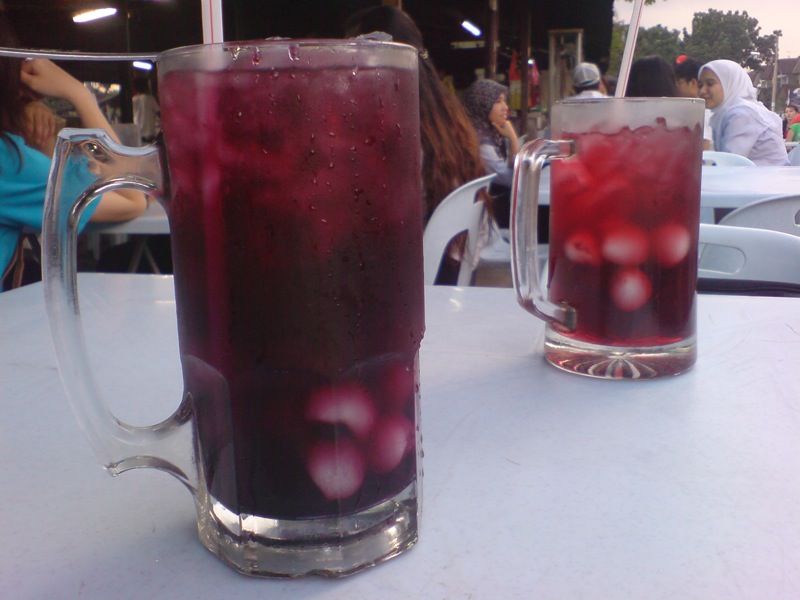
(721, 187)
(729, 187)
(152, 222)
(538, 484)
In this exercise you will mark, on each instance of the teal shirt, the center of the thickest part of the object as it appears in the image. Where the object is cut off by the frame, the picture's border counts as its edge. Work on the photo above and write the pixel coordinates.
(22, 188)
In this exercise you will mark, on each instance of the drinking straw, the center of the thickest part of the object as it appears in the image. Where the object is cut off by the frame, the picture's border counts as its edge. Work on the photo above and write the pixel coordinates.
(627, 53)
(212, 21)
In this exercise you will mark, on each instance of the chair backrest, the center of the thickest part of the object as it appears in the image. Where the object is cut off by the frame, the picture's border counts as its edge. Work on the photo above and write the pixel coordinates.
(458, 212)
(779, 214)
(749, 254)
(712, 158)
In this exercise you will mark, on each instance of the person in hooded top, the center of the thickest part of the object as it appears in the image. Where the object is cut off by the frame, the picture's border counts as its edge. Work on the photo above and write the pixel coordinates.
(740, 123)
(487, 107)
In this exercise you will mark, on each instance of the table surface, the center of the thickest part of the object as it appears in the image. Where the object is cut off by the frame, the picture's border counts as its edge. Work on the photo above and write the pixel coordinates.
(722, 187)
(729, 187)
(152, 222)
(538, 484)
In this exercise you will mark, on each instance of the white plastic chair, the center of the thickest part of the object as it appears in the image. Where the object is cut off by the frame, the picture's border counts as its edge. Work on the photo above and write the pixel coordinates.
(778, 214)
(457, 213)
(713, 158)
(749, 255)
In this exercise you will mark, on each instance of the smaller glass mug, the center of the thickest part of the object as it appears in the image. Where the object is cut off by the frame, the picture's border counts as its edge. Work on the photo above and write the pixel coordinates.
(624, 225)
(292, 191)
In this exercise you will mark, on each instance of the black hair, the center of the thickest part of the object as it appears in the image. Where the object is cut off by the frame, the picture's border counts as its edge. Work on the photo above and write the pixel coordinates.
(686, 68)
(12, 102)
(652, 77)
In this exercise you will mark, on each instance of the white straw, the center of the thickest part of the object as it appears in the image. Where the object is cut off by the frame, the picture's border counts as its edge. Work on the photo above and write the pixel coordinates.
(212, 21)
(630, 44)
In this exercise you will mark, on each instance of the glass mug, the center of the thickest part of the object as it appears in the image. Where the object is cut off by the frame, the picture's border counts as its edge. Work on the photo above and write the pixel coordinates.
(293, 195)
(624, 224)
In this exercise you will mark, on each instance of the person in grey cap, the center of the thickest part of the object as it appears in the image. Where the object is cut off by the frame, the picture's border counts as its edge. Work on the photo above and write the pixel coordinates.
(586, 80)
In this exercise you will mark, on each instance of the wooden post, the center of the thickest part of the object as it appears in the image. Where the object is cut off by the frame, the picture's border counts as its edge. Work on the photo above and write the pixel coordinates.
(491, 40)
(524, 57)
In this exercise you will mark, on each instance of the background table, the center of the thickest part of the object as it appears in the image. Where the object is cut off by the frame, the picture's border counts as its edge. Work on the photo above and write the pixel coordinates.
(729, 187)
(538, 484)
(152, 222)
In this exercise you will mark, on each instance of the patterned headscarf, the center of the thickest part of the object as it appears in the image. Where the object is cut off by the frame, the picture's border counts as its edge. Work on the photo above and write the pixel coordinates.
(479, 100)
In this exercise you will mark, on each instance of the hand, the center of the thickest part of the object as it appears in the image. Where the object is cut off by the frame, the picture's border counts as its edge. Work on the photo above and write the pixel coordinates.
(506, 129)
(40, 125)
(46, 78)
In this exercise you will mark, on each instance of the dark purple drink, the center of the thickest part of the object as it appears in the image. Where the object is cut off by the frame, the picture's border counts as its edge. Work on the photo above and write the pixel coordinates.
(296, 227)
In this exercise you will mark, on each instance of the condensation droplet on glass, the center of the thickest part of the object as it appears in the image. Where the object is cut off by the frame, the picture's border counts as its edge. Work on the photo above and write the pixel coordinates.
(256, 56)
(294, 52)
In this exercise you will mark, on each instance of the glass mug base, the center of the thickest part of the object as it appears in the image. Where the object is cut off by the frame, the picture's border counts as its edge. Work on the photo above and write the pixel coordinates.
(616, 362)
(330, 547)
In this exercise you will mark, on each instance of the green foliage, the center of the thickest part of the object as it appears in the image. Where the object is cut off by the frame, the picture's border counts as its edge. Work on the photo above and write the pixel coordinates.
(658, 40)
(732, 35)
(651, 41)
(715, 34)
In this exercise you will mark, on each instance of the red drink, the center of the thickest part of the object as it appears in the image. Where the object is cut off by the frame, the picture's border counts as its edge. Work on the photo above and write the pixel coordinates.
(623, 235)
(624, 212)
(298, 278)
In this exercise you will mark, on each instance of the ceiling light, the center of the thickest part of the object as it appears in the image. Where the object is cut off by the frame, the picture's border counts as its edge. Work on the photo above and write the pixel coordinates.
(471, 28)
(92, 15)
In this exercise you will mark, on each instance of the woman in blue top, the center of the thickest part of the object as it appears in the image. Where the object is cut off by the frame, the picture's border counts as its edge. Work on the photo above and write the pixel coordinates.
(23, 168)
(740, 123)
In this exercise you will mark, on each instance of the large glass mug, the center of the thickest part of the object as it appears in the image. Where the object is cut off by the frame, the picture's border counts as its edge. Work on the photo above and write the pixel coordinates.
(293, 198)
(624, 221)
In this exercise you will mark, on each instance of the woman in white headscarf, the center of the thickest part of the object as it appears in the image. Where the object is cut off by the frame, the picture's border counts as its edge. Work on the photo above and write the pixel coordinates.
(740, 123)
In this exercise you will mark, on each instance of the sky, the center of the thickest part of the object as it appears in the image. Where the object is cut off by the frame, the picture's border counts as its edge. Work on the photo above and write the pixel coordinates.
(677, 14)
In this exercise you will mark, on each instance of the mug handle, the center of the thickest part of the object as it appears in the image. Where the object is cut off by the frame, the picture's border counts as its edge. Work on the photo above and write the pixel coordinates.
(528, 165)
(118, 445)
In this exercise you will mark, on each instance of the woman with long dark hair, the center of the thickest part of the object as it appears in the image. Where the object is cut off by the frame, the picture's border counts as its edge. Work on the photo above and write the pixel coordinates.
(449, 144)
(652, 77)
(24, 168)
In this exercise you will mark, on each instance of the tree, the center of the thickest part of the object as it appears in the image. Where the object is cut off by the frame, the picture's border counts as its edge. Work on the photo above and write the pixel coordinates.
(732, 35)
(660, 41)
(656, 40)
